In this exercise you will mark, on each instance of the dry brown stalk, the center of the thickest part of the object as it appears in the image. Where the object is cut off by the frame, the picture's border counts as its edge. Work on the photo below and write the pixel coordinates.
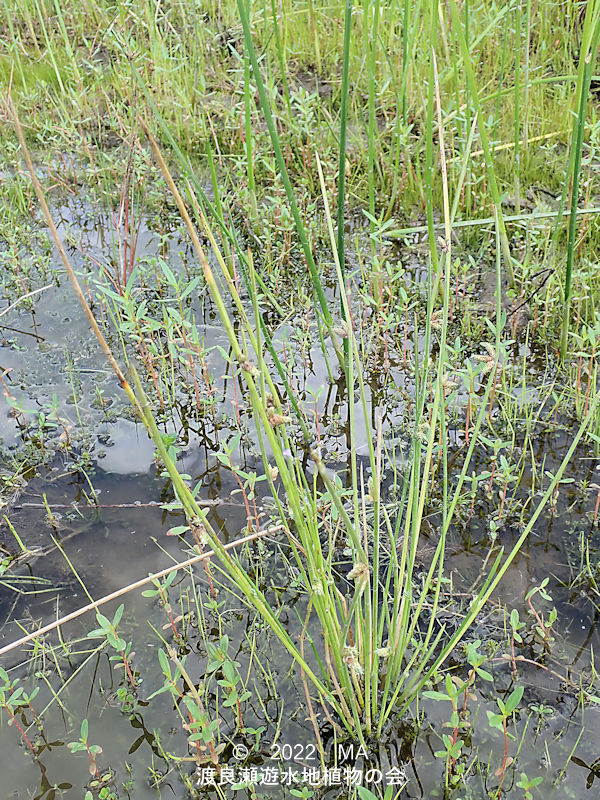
(131, 587)
(67, 264)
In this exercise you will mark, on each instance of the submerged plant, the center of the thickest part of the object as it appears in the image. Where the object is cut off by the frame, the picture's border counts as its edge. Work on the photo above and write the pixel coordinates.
(372, 610)
(83, 746)
(499, 720)
(123, 654)
(14, 700)
(380, 645)
(377, 640)
(160, 591)
(202, 729)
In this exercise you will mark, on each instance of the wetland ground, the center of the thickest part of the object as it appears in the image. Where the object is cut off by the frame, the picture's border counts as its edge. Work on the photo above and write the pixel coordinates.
(387, 382)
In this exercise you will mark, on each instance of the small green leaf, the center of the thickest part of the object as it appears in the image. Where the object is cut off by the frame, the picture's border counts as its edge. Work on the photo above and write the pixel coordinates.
(177, 530)
(437, 696)
(514, 700)
(495, 720)
(366, 794)
(172, 575)
(103, 621)
(118, 615)
(164, 663)
(113, 641)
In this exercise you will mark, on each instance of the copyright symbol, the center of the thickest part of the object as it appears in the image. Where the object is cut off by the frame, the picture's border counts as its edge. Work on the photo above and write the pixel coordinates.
(240, 752)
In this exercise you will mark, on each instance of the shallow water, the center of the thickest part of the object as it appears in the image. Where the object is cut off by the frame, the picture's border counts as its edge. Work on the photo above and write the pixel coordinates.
(118, 536)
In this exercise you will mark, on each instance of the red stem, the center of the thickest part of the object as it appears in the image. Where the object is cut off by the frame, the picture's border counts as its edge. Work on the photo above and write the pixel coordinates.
(19, 728)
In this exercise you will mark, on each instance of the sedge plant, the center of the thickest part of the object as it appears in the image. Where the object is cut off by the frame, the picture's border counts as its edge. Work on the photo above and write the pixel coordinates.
(376, 639)
(379, 645)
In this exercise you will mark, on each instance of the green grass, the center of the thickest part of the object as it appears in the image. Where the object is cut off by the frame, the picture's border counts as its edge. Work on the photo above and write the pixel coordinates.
(363, 73)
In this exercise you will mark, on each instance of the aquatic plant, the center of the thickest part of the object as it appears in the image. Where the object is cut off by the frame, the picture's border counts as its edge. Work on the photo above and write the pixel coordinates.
(399, 97)
(380, 643)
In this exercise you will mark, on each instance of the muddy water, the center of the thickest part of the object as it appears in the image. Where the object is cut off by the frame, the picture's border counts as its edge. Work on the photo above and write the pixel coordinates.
(110, 524)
